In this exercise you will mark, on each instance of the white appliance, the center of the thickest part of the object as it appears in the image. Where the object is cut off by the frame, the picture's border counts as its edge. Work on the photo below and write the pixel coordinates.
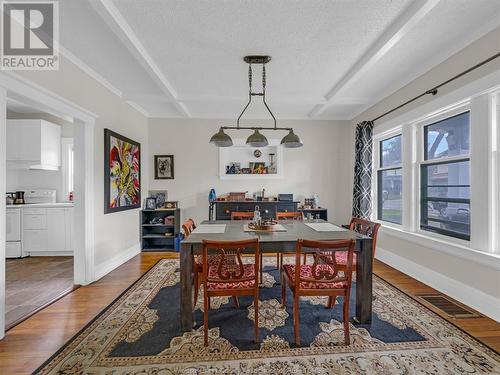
(13, 248)
(40, 196)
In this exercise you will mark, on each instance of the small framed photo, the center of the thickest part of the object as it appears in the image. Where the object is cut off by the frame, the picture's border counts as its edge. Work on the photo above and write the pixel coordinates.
(164, 167)
(171, 204)
(150, 204)
(160, 196)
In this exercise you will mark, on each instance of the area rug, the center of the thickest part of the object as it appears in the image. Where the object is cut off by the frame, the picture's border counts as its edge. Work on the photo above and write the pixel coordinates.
(139, 334)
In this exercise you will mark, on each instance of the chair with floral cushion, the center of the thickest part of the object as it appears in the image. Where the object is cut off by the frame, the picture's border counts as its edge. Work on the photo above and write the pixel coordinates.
(366, 228)
(187, 227)
(322, 278)
(229, 276)
(286, 215)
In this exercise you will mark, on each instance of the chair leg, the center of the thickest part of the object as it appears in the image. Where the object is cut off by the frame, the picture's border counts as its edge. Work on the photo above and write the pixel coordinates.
(206, 303)
(236, 302)
(331, 302)
(305, 258)
(346, 320)
(256, 324)
(196, 283)
(296, 319)
(261, 267)
(278, 265)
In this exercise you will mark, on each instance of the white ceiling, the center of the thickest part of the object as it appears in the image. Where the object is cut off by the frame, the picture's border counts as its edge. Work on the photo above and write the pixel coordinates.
(331, 59)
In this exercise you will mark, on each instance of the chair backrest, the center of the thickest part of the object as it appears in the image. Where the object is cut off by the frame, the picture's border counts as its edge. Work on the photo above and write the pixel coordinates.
(325, 268)
(294, 215)
(366, 228)
(188, 226)
(241, 215)
(230, 265)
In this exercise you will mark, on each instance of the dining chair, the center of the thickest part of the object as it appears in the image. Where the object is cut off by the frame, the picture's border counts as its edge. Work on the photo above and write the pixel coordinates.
(187, 227)
(293, 215)
(244, 215)
(366, 228)
(322, 278)
(229, 276)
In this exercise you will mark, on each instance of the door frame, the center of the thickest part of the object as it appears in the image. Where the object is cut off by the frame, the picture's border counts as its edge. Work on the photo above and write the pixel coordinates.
(16, 87)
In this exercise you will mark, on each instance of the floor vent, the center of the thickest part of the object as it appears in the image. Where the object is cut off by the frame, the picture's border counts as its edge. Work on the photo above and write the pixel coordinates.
(448, 306)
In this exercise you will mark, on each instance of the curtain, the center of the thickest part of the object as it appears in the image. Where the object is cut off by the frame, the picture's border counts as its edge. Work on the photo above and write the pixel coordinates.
(362, 192)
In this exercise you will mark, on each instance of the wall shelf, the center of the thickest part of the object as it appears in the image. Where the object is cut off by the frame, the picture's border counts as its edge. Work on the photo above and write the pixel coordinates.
(244, 155)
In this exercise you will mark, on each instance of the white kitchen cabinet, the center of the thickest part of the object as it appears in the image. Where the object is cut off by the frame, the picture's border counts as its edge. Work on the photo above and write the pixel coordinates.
(56, 229)
(33, 144)
(48, 230)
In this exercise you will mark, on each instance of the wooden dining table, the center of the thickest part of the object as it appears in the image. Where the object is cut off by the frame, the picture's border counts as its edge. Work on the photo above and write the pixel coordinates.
(276, 242)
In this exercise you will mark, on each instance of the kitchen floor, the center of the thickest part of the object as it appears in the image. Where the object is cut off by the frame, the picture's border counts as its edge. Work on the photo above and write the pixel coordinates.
(33, 282)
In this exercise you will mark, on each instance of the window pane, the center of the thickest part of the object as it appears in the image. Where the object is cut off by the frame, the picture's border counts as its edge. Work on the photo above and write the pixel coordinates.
(450, 217)
(446, 174)
(449, 137)
(446, 199)
(390, 201)
(390, 151)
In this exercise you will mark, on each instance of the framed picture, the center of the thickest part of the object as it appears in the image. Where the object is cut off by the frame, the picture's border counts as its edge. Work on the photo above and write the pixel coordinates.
(164, 167)
(160, 196)
(122, 173)
(150, 204)
(171, 204)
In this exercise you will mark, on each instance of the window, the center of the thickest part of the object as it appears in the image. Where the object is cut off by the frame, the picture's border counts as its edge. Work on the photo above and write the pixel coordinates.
(67, 167)
(445, 177)
(389, 176)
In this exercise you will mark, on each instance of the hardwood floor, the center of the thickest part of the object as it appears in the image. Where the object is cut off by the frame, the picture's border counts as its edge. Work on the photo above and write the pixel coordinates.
(29, 344)
(32, 282)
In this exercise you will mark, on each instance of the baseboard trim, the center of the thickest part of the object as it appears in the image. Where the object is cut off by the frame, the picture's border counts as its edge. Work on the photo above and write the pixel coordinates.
(103, 269)
(475, 298)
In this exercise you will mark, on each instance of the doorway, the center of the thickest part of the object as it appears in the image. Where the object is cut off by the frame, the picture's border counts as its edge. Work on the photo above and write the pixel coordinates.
(77, 266)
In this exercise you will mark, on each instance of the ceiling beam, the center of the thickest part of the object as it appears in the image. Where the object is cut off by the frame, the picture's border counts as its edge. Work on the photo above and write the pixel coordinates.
(142, 54)
(396, 31)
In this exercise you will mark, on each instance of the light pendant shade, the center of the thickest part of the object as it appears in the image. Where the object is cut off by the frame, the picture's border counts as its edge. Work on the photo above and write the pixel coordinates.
(291, 140)
(257, 140)
(221, 139)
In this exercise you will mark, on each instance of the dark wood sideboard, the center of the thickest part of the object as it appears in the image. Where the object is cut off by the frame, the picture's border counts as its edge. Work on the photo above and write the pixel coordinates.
(267, 209)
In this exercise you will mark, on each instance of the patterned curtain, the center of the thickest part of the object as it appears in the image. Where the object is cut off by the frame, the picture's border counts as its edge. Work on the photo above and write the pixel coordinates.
(362, 192)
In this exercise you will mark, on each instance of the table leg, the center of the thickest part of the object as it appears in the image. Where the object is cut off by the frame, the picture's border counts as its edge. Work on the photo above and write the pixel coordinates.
(186, 265)
(364, 269)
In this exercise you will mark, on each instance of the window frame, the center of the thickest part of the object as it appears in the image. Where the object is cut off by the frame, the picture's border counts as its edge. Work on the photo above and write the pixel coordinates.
(379, 171)
(422, 162)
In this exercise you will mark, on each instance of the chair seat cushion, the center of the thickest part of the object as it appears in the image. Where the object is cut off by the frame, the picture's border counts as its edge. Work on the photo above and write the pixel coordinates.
(306, 271)
(341, 258)
(248, 271)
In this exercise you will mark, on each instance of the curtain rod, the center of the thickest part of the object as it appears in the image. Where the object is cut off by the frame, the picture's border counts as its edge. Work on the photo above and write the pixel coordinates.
(434, 90)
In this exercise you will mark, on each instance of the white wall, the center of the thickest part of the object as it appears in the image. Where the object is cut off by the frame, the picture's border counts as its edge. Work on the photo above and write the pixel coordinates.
(471, 277)
(317, 167)
(116, 234)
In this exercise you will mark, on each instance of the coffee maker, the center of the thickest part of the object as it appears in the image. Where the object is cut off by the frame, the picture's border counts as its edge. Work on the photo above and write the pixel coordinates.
(19, 197)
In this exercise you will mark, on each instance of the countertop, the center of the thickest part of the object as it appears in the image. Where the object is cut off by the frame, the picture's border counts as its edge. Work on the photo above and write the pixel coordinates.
(41, 205)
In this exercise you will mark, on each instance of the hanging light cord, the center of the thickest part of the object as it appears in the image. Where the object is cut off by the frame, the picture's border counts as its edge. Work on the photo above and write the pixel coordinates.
(434, 90)
(251, 94)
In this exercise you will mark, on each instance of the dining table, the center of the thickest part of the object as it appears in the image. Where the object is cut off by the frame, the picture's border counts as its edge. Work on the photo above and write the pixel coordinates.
(276, 242)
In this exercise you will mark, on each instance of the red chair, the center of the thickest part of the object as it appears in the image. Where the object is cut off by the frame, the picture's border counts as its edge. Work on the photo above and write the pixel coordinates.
(187, 227)
(229, 276)
(319, 279)
(294, 215)
(366, 228)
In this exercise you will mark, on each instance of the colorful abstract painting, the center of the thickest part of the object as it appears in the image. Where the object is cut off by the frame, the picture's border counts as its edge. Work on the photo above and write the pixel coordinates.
(122, 168)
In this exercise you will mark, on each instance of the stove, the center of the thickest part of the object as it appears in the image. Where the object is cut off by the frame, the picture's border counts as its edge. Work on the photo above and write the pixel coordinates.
(40, 196)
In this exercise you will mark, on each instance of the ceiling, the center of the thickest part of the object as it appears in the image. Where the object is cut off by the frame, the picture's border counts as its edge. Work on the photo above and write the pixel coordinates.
(331, 59)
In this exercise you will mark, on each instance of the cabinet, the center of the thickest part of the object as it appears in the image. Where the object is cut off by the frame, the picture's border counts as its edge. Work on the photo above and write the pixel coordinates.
(48, 230)
(267, 209)
(33, 144)
(161, 235)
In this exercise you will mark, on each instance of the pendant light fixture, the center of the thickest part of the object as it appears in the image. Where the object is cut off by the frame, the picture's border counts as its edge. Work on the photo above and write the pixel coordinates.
(256, 139)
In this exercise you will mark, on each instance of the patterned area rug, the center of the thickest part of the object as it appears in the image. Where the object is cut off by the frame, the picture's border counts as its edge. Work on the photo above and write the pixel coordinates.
(139, 334)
